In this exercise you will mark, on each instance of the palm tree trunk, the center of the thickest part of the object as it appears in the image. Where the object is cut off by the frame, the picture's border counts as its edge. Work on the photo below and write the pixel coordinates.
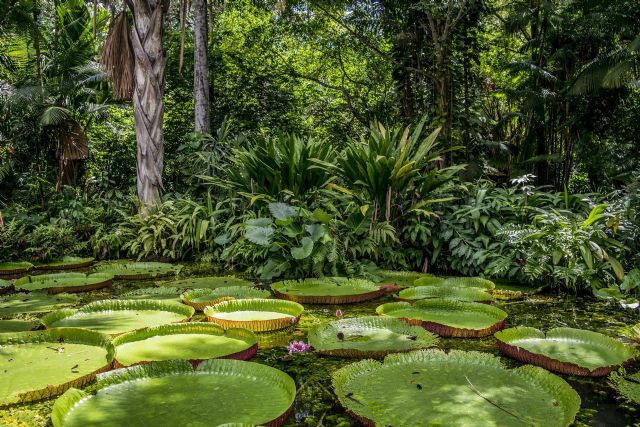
(148, 108)
(201, 68)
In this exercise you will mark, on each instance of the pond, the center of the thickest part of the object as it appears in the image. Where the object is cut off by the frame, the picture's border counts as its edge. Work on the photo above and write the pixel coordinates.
(316, 404)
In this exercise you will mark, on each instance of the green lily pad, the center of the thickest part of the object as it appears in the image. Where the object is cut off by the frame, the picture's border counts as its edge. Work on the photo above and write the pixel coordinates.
(138, 270)
(18, 325)
(171, 393)
(565, 350)
(115, 317)
(459, 282)
(257, 315)
(5, 286)
(211, 282)
(14, 268)
(402, 279)
(369, 337)
(35, 303)
(200, 298)
(67, 263)
(448, 318)
(190, 341)
(38, 365)
(432, 388)
(163, 294)
(627, 385)
(64, 282)
(444, 292)
(328, 290)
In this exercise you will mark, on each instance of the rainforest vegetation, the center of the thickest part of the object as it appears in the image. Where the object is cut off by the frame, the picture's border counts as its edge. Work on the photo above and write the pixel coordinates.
(307, 143)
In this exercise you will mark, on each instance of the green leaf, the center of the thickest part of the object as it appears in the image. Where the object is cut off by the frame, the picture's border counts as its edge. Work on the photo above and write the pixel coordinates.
(316, 231)
(319, 215)
(259, 235)
(587, 256)
(617, 268)
(282, 211)
(304, 251)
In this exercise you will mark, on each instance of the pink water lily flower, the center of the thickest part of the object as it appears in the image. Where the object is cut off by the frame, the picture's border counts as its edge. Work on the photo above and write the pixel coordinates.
(298, 347)
(339, 313)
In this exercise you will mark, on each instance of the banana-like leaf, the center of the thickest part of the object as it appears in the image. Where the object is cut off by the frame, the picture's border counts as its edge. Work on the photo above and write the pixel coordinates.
(64, 282)
(209, 282)
(448, 318)
(138, 270)
(462, 282)
(257, 314)
(566, 350)
(190, 341)
(115, 317)
(217, 392)
(430, 387)
(41, 364)
(200, 298)
(66, 263)
(327, 290)
(441, 292)
(369, 337)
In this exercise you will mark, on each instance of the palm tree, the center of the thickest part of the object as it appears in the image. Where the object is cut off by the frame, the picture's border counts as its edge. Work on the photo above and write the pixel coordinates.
(136, 61)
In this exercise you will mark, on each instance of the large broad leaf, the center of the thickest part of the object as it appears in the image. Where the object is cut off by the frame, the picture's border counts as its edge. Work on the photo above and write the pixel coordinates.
(402, 278)
(14, 268)
(18, 325)
(316, 231)
(259, 235)
(430, 387)
(282, 211)
(566, 350)
(171, 393)
(66, 263)
(327, 290)
(117, 317)
(35, 303)
(369, 337)
(442, 292)
(627, 385)
(189, 341)
(5, 286)
(38, 365)
(200, 298)
(162, 294)
(209, 282)
(124, 270)
(463, 282)
(303, 251)
(64, 282)
(255, 314)
(448, 318)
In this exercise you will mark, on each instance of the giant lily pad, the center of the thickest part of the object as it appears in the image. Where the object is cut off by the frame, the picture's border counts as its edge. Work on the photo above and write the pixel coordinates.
(328, 290)
(369, 337)
(13, 325)
(14, 268)
(139, 270)
(255, 314)
(64, 282)
(211, 282)
(402, 279)
(459, 282)
(565, 350)
(627, 385)
(35, 303)
(171, 393)
(200, 298)
(38, 365)
(5, 286)
(163, 294)
(444, 292)
(448, 318)
(430, 387)
(189, 341)
(66, 263)
(115, 317)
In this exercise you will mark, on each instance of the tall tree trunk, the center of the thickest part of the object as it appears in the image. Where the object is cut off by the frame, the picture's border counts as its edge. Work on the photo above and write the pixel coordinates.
(148, 108)
(183, 25)
(201, 67)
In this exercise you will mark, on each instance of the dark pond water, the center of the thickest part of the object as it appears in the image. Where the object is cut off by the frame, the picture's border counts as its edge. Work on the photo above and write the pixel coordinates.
(316, 404)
